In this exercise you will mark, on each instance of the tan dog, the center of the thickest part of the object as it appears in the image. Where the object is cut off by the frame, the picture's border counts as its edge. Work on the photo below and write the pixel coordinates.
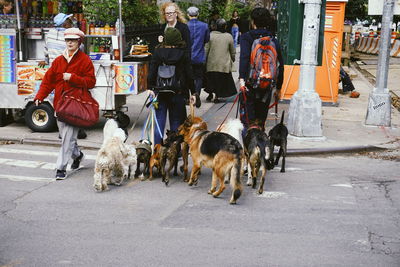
(219, 151)
(155, 160)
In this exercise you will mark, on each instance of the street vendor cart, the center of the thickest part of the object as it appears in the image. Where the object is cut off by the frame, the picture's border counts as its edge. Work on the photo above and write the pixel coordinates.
(22, 40)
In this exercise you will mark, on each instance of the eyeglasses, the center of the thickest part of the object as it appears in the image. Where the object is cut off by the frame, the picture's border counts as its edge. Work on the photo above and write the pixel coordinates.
(170, 13)
(71, 40)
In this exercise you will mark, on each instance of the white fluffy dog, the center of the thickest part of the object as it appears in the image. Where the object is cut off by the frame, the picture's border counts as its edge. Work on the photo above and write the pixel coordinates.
(109, 129)
(114, 157)
(233, 127)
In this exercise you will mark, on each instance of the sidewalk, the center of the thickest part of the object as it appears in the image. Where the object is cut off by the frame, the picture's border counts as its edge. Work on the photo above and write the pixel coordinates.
(343, 126)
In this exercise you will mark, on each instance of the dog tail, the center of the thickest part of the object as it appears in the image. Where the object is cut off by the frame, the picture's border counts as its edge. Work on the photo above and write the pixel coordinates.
(235, 180)
(283, 116)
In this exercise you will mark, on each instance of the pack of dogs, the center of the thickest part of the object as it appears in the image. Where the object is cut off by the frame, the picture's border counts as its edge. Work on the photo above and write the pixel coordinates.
(225, 151)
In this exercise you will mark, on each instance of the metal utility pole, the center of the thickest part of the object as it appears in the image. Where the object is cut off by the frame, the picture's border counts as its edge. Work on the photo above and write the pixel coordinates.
(379, 105)
(304, 118)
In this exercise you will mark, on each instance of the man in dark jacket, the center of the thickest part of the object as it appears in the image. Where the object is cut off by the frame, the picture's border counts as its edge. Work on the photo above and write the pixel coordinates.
(199, 35)
(256, 101)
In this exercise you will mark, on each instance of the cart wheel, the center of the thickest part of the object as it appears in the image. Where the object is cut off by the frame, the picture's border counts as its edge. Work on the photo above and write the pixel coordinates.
(123, 119)
(40, 118)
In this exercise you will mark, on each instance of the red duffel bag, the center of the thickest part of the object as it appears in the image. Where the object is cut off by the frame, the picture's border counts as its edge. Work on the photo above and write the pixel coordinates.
(82, 111)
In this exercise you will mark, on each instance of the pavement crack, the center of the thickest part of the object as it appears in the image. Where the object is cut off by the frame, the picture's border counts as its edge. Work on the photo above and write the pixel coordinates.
(15, 201)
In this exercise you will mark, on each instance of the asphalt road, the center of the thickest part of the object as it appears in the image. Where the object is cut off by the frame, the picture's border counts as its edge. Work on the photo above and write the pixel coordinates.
(324, 211)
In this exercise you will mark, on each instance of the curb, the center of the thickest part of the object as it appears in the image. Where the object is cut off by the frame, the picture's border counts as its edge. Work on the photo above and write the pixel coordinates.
(45, 142)
(290, 152)
(333, 150)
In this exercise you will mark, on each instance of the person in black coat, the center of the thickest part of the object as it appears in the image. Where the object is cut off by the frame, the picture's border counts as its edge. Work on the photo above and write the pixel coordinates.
(172, 51)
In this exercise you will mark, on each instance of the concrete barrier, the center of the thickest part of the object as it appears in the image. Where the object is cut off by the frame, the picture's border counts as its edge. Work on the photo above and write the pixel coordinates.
(371, 46)
(395, 51)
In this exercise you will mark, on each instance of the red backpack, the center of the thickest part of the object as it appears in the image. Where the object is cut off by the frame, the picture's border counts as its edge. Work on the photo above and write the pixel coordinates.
(263, 62)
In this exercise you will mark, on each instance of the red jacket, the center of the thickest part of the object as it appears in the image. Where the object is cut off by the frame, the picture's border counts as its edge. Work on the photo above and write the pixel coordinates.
(82, 77)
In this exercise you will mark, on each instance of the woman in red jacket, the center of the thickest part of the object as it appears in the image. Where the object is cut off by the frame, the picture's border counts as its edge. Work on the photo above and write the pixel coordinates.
(70, 72)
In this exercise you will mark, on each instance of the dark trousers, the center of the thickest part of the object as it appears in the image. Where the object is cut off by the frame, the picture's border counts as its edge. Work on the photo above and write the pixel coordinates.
(174, 104)
(254, 107)
(198, 75)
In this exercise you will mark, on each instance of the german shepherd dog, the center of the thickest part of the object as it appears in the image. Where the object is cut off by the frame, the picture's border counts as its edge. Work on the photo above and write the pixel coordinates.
(258, 152)
(185, 146)
(215, 150)
(278, 136)
(172, 145)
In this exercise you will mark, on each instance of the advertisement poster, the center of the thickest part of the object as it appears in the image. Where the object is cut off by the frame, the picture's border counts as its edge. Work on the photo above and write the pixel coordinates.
(124, 79)
(7, 55)
(29, 78)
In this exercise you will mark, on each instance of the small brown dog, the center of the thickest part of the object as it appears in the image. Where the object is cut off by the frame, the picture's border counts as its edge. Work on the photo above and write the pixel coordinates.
(155, 160)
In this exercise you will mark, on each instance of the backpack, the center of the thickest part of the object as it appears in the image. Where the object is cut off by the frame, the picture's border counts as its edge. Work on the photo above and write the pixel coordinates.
(167, 79)
(263, 62)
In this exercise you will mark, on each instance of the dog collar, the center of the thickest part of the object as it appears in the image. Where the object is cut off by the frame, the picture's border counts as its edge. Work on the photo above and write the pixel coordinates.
(254, 127)
(144, 146)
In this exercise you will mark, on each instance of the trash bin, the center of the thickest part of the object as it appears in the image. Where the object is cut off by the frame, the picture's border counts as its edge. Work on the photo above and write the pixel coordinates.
(327, 80)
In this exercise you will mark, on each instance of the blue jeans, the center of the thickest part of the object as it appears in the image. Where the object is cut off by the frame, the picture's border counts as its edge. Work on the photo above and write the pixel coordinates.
(235, 35)
(175, 105)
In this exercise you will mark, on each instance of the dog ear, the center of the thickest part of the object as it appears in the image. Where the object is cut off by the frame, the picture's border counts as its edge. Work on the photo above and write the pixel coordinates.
(188, 122)
(179, 138)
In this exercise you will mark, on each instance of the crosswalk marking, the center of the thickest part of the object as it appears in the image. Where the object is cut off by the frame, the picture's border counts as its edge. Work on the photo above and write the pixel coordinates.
(28, 163)
(26, 178)
(38, 153)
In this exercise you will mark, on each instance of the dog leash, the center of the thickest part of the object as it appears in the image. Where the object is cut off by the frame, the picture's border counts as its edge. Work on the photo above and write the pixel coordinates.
(234, 102)
(151, 121)
(137, 119)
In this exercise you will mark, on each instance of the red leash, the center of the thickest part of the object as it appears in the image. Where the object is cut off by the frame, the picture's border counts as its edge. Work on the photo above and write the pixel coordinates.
(234, 102)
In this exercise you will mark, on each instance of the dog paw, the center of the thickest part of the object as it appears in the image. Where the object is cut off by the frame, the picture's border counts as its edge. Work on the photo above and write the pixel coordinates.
(254, 182)
(249, 181)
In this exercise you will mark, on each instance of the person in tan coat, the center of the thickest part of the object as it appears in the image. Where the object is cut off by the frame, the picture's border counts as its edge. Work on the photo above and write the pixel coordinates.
(220, 54)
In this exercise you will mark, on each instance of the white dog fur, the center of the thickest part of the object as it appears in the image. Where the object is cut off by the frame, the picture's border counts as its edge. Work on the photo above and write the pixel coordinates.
(114, 157)
(233, 127)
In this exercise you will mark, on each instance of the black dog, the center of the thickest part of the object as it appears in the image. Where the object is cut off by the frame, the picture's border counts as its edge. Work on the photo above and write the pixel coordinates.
(278, 136)
(258, 153)
(143, 152)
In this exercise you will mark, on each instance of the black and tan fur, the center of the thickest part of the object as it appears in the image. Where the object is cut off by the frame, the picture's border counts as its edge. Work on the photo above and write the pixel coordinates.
(278, 136)
(258, 153)
(215, 150)
(185, 128)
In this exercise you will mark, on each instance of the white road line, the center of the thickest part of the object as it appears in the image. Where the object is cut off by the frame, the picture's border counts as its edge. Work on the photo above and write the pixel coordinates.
(26, 178)
(38, 153)
(28, 164)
